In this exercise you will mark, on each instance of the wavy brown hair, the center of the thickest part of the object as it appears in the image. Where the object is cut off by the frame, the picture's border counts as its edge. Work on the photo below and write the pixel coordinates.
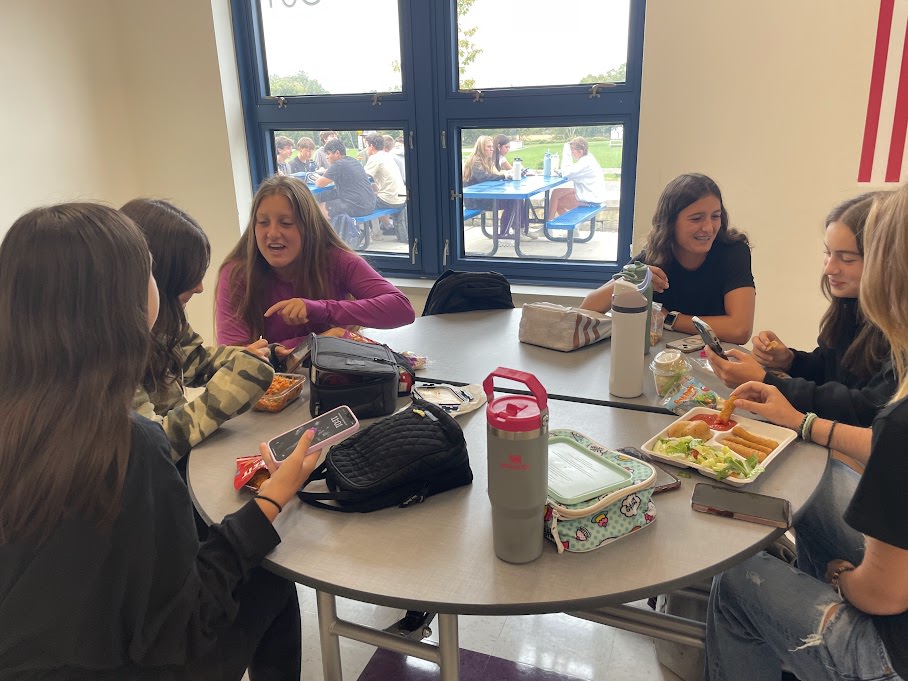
(479, 155)
(74, 338)
(869, 348)
(678, 195)
(180, 254)
(250, 269)
(885, 277)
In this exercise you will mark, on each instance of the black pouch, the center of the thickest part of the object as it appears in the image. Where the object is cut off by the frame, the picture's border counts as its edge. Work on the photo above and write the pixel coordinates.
(363, 376)
(398, 461)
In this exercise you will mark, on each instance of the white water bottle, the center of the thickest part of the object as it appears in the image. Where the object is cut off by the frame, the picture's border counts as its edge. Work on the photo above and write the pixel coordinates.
(516, 169)
(547, 164)
(629, 308)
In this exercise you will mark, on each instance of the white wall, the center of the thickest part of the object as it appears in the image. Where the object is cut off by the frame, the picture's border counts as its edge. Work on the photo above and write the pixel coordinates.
(110, 99)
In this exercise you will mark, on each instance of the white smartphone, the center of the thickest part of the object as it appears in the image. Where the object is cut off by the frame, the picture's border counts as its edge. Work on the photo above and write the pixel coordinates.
(330, 427)
(689, 344)
(749, 506)
(709, 337)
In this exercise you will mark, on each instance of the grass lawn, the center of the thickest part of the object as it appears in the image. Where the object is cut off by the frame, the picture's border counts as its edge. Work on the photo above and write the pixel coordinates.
(532, 154)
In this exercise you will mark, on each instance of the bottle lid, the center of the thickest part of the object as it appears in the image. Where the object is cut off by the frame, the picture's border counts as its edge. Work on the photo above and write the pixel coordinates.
(515, 413)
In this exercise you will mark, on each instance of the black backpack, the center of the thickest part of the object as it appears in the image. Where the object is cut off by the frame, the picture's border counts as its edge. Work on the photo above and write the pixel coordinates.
(467, 291)
(398, 461)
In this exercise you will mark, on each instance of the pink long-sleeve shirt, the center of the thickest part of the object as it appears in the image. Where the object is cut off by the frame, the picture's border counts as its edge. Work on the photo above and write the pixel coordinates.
(376, 303)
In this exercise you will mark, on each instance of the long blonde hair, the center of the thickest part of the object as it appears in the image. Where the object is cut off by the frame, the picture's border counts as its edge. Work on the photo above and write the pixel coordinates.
(250, 269)
(885, 277)
(479, 157)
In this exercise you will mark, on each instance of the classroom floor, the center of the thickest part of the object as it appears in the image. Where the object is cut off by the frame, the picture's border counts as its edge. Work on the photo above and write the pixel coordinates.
(516, 648)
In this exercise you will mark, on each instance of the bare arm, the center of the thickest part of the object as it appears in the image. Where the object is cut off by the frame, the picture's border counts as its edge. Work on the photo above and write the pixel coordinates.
(736, 325)
(878, 586)
(600, 300)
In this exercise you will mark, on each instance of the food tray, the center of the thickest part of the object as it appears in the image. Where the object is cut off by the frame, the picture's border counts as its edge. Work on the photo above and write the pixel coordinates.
(784, 436)
(276, 400)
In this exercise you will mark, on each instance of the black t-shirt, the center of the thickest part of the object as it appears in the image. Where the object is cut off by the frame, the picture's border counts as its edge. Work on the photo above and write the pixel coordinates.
(353, 186)
(879, 509)
(702, 291)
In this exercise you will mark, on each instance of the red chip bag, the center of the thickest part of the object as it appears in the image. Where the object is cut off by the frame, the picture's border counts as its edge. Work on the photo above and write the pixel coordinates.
(250, 471)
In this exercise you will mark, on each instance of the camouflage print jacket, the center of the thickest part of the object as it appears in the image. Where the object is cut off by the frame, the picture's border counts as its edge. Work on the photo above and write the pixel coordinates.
(232, 379)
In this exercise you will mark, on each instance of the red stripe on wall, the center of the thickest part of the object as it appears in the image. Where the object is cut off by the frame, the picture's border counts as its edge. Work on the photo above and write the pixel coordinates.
(872, 124)
(900, 121)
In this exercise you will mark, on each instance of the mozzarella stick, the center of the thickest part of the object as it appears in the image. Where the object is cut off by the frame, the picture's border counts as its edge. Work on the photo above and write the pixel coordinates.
(727, 409)
(744, 450)
(738, 431)
(746, 443)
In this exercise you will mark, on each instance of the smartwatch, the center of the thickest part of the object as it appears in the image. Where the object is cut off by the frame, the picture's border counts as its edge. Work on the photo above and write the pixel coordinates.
(670, 320)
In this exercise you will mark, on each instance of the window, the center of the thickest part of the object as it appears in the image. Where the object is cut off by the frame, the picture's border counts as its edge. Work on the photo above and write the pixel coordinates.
(432, 78)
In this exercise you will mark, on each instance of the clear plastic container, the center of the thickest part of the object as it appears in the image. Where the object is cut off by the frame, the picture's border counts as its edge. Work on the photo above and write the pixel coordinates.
(283, 390)
(669, 367)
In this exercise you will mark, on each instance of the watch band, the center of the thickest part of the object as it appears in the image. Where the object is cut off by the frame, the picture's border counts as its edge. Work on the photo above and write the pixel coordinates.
(670, 320)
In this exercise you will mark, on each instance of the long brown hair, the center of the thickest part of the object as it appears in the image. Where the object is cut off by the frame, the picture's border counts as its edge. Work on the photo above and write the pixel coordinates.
(74, 338)
(180, 252)
(885, 277)
(479, 156)
(678, 195)
(869, 348)
(250, 270)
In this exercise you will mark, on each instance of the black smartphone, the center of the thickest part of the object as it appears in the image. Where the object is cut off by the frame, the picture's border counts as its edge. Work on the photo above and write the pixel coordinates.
(330, 427)
(706, 333)
(298, 360)
(665, 480)
(689, 344)
(749, 506)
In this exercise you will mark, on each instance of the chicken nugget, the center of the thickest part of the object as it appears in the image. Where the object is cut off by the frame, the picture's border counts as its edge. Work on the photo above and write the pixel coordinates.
(696, 429)
(727, 409)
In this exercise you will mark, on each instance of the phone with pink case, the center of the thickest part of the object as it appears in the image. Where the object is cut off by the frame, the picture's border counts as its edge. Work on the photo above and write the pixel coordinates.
(330, 428)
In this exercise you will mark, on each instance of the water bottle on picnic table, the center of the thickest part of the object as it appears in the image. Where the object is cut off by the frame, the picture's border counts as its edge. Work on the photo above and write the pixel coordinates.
(547, 164)
(516, 169)
(517, 440)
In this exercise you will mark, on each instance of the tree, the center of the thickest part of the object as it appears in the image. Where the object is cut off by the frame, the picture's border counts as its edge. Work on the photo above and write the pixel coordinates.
(466, 48)
(298, 84)
(618, 75)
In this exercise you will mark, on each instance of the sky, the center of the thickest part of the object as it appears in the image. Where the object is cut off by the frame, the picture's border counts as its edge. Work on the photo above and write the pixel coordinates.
(521, 41)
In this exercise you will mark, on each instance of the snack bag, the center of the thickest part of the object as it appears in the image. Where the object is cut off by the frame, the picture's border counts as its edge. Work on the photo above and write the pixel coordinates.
(251, 471)
(688, 394)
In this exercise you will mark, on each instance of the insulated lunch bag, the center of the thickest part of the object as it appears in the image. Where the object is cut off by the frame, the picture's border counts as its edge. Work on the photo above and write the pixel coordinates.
(363, 376)
(398, 461)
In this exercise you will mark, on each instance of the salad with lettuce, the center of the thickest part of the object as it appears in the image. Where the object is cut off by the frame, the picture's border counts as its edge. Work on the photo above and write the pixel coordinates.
(718, 459)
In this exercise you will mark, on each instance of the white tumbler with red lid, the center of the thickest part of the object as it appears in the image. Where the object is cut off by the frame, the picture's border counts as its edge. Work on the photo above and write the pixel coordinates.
(518, 466)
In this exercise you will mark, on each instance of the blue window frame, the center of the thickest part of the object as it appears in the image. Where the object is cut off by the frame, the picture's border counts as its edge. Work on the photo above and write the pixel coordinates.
(438, 117)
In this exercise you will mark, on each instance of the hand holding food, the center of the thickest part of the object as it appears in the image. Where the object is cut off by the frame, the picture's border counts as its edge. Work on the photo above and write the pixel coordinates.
(766, 401)
(660, 280)
(771, 352)
(727, 410)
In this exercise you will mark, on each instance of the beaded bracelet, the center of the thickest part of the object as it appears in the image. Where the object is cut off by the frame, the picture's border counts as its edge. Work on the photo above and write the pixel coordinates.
(807, 425)
(835, 580)
(270, 501)
(831, 431)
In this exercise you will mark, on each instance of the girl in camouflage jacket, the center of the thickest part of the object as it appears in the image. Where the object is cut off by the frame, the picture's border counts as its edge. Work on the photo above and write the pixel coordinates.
(231, 378)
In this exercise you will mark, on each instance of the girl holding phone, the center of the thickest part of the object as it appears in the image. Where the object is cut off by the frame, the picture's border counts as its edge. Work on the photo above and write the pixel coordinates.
(102, 571)
(844, 612)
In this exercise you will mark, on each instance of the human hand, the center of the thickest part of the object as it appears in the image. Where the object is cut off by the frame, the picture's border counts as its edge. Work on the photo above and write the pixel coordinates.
(287, 478)
(292, 311)
(744, 368)
(767, 401)
(260, 349)
(771, 352)
(660, 280)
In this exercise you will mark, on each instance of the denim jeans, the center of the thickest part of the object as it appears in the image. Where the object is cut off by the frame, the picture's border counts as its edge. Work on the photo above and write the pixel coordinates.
(764, 613)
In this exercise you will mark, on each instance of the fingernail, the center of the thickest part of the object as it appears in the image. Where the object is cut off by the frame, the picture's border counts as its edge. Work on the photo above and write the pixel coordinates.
(311, 432)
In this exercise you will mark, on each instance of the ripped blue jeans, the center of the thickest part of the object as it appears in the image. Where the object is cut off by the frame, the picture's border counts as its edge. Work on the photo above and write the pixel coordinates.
(764, 613)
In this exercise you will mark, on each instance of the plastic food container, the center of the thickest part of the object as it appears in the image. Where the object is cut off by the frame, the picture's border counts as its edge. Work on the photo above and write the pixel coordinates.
(668, 368)
(283, 390)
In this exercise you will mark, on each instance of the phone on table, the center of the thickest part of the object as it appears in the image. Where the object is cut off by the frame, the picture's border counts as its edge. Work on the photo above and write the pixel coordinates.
(664, 479)
(689, 344)
(709, 337)
(749, 506)
(330, 427)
